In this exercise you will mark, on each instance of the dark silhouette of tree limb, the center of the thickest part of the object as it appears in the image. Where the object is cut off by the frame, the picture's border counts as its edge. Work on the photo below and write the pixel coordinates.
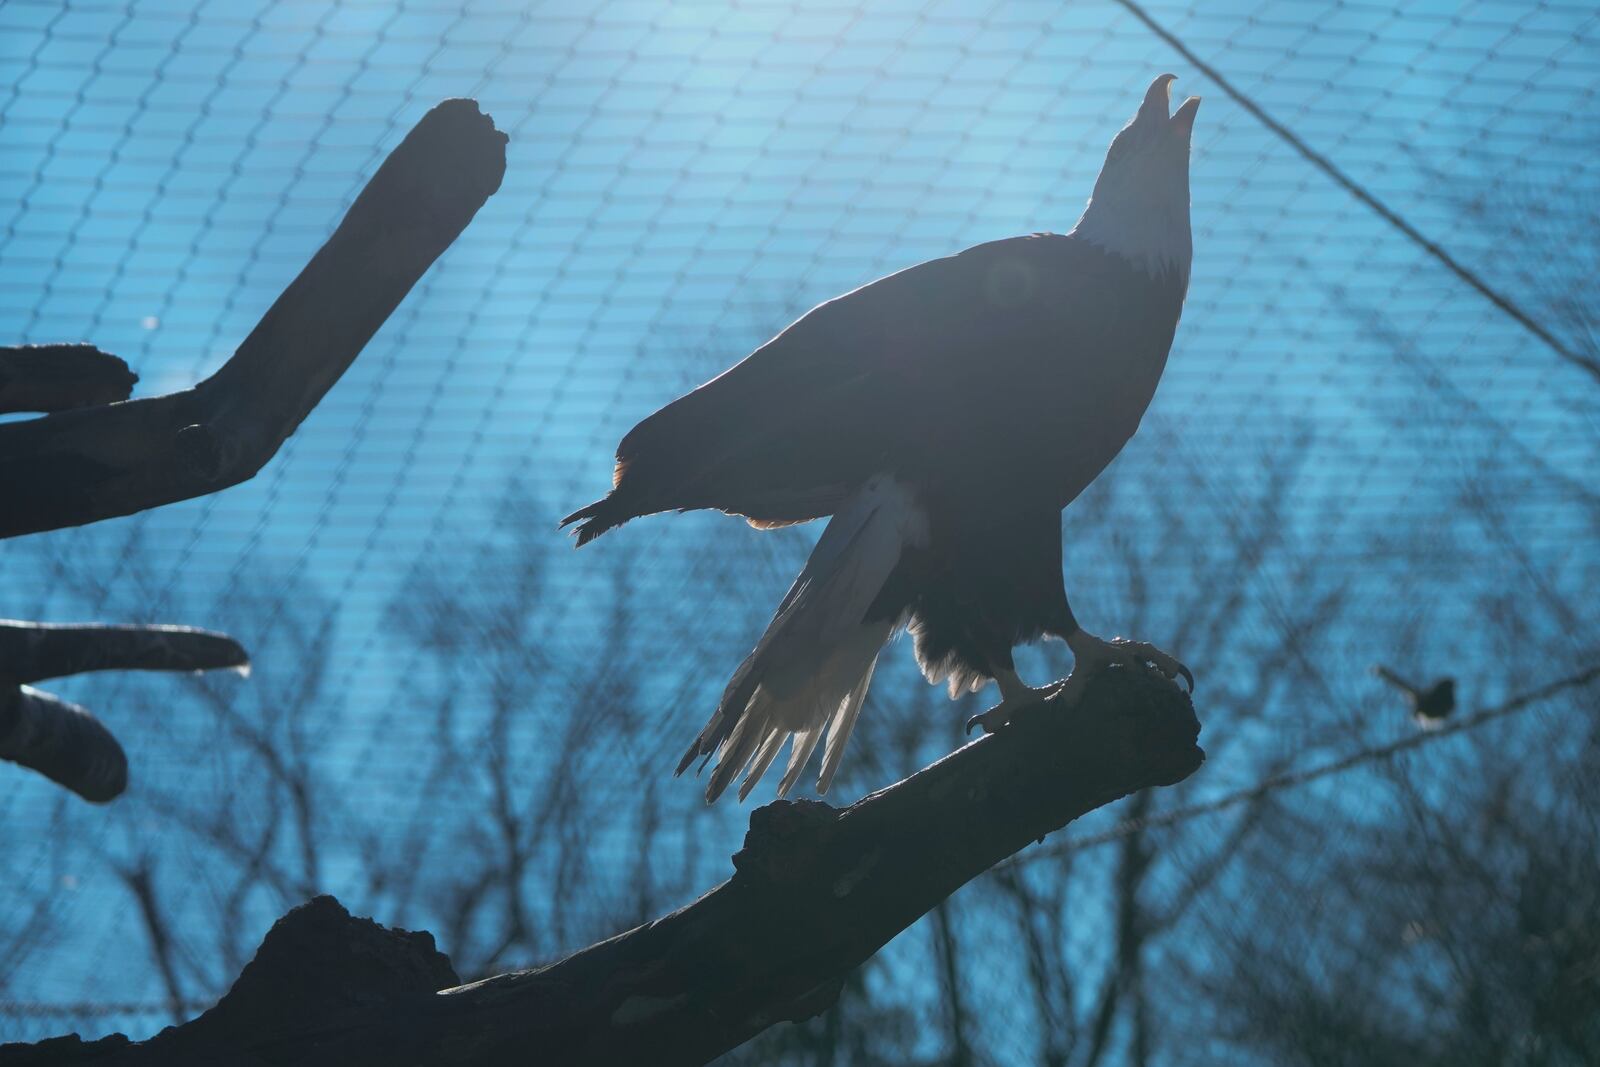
(94, 459)
(63, 741)
(34, 651)
(94, 463)
(61, 377)
(816, 891)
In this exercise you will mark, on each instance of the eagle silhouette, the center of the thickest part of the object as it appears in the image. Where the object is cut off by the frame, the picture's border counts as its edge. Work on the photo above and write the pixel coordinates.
(943, 416)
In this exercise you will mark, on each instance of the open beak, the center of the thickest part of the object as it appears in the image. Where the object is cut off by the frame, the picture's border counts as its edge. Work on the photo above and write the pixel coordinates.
(1159, 97)
(1183, 118)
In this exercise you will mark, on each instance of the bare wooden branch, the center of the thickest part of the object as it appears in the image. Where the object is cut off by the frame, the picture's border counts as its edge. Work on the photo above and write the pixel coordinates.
(80, 466)
(61, 377)
(32, 651)
(63, 741)
(816, 891)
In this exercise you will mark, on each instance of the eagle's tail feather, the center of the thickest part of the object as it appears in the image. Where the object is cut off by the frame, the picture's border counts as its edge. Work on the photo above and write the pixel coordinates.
(595, 519)
(839, 730)
(809, 673)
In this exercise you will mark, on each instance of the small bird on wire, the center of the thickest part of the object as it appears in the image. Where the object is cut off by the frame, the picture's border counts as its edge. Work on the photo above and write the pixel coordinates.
(1429, 706)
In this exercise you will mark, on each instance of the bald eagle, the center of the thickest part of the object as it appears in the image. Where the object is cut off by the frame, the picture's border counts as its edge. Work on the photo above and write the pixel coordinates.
(943, 415)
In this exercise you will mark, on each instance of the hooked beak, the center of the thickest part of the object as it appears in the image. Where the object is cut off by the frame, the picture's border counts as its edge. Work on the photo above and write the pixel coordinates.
(1159, 97)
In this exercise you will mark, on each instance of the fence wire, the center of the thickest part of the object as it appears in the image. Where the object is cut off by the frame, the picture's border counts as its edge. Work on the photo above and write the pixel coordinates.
(1375, 441)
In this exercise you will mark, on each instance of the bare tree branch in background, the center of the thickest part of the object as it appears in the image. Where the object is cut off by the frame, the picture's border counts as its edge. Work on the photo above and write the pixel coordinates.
(140, 880)
(1442, 933)
(951, 986)
(1445, 912)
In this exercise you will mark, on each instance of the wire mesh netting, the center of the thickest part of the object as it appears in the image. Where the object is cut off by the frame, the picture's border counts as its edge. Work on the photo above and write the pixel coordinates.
(456, 723)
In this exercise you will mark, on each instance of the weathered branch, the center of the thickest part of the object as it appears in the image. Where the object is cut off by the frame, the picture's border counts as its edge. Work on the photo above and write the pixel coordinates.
(61, 377)
(816, 891)
(33, 651)
(63, 741)
(89, 464)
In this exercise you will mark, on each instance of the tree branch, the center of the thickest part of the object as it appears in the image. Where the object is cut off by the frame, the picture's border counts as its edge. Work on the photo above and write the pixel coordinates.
(81, 466)
(63, 741)
(816, 891)
(33, 651)
(60, 377)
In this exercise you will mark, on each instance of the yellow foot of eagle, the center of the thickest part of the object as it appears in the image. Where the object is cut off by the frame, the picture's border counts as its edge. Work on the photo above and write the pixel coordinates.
(1089, 654)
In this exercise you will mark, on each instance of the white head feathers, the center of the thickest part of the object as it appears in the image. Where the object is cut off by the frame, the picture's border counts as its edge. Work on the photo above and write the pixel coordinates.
(1140, 207)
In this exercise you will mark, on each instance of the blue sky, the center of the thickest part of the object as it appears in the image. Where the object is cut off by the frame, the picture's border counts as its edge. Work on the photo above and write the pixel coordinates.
(682, 180)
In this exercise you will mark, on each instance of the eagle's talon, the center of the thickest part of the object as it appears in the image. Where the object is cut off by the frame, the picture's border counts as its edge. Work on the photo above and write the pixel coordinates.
(996, 718)
(1095, 652)
(1167, 665)
(1015, 697)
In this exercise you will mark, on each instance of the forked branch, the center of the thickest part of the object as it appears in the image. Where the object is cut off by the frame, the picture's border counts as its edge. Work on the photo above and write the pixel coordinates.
(63, 741)
(94, 458)
(91, 463)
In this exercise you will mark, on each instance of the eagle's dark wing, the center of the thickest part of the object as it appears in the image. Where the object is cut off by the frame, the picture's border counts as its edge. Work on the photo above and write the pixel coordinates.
(899, 371)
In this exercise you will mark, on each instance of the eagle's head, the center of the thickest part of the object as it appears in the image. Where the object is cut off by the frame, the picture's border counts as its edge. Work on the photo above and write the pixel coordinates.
(1140, 207)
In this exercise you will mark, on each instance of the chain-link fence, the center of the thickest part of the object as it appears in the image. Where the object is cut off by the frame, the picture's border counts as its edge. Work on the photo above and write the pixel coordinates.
(1363, 450)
